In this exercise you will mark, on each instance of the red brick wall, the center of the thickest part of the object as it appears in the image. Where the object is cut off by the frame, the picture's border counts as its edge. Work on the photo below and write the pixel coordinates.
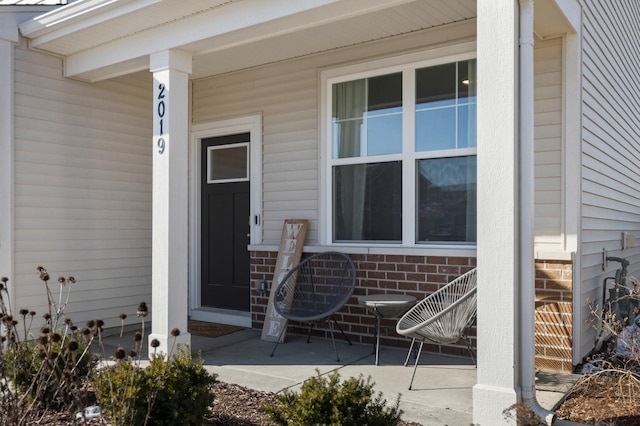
(554, 313)
(376, 274)
(421, 275)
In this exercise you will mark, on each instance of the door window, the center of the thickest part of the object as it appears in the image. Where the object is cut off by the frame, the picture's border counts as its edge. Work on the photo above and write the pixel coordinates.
(228, 163)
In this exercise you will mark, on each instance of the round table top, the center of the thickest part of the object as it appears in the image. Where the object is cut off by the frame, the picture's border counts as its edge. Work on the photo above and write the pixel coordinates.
(387, 305)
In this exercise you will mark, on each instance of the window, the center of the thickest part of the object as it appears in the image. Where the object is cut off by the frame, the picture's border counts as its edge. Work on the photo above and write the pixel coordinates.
(402, 155)
(228, 163)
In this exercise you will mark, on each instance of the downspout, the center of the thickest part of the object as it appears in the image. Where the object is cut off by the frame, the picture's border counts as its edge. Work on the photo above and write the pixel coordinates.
(526, 225)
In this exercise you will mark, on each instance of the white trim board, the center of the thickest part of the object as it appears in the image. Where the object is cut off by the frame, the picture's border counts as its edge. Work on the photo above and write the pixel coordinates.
(253, 125)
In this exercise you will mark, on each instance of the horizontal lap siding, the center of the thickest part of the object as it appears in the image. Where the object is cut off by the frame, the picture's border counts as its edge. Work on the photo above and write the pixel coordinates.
(548, 143)
(611, 145)
(287, 96)
(82, 188)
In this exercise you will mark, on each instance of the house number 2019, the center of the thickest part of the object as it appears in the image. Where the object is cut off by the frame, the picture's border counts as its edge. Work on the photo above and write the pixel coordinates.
(160, 110)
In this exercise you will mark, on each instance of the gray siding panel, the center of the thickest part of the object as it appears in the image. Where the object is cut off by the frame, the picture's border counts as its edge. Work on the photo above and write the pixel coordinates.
(611, 148)
(82, 188)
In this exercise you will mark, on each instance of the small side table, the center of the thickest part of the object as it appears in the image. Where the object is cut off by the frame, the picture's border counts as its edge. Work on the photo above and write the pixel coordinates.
(385, 306)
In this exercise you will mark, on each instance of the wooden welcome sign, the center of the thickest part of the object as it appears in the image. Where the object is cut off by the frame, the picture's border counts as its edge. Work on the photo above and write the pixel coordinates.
(291, 244)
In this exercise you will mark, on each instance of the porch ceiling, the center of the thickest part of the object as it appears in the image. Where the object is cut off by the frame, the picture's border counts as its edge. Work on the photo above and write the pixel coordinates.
(101, 38)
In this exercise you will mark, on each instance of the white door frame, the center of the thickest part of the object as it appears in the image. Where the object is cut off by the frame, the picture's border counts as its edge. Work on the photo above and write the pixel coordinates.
(253, 125)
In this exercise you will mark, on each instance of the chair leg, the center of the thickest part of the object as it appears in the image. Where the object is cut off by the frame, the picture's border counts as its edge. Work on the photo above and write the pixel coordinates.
(467, 340)
(406, 361)
(415, 367)
(309, 335)
(340, 328)
(377, 340)
(335, 348)
(278, 341)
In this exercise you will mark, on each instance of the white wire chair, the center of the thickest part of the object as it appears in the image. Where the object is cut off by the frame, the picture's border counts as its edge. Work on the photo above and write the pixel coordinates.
(443, 317)
(314, 290)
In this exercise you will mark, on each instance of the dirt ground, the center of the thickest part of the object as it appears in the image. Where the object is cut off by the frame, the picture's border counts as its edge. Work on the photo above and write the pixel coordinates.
(607, 398)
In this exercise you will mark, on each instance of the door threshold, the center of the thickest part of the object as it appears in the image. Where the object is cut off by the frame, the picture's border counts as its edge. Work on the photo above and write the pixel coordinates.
(222, 316)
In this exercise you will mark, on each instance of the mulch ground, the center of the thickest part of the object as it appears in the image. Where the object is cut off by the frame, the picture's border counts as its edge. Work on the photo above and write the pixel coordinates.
(603, 399)
(239, 406)
(234, 405)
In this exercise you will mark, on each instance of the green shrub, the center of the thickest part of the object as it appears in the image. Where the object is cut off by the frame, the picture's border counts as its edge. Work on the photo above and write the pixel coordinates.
(170, 391)
(180, 388)
(51, 368)
(120, 393)
(327, 401)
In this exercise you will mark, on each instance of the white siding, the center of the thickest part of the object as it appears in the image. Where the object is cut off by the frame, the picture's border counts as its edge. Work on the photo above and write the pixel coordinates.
(611, 144)
(548, 144)
(286, 94)
(82, 188)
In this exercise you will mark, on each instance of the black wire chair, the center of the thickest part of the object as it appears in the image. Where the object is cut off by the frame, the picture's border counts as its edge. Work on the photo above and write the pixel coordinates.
(314, 290)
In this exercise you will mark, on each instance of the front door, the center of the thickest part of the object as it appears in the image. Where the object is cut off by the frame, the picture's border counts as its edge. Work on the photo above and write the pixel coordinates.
(225, 228)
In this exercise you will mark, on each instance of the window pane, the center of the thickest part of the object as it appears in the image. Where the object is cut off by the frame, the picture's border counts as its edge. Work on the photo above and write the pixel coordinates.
(447, 199)
(384, 114)
(385, 92)
(367, 117)
(227, 163)
(435, 84)
(384, 132)
(445, 106)
(349, 103)
(367, 202)
(467, 126)
(436, 129)
(467, 80)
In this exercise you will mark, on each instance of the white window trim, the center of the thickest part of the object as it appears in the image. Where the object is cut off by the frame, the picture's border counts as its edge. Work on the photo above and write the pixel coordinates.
(332, 76)
(229, 146)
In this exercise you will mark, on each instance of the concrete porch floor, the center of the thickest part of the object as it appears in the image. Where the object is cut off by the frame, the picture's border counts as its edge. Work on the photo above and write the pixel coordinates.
(441, 393)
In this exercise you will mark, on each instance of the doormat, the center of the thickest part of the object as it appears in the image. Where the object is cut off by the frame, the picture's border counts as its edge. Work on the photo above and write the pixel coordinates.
(211, 329)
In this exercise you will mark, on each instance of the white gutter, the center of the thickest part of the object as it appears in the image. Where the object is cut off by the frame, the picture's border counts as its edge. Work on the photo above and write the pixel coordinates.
(527, 267)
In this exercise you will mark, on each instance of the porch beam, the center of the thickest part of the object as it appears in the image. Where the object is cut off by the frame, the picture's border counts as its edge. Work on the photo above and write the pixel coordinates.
(498, 381)
(170, 274)
(235, 24)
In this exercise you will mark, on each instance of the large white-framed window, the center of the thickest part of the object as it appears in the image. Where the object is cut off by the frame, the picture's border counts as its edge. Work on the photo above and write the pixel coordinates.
(399, 154)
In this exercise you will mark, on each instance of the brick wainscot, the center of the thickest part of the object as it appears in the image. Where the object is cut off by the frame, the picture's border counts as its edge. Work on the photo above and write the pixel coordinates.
(418, 276)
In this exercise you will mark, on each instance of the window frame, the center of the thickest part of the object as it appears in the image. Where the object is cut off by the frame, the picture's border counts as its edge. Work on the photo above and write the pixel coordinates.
(406, 64)
(247, 160)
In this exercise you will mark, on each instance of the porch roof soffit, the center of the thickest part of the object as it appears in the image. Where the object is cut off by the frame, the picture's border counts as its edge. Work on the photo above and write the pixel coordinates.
(101, 39)
(553, 18)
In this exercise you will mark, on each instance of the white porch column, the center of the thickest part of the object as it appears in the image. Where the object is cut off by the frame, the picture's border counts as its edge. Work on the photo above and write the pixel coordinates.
(170, 272)
(7, 43)
(498, 383)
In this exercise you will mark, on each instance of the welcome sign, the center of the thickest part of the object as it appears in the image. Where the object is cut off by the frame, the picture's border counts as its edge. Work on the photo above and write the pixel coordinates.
(289, 254)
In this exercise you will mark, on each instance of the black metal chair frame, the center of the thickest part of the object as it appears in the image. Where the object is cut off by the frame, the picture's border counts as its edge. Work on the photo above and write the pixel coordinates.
(314, 290)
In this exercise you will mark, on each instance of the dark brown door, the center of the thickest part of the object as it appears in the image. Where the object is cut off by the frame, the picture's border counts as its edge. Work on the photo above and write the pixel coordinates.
(225, 228)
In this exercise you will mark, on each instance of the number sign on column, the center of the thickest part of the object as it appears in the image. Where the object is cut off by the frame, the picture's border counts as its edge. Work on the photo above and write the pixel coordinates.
(160, 111)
